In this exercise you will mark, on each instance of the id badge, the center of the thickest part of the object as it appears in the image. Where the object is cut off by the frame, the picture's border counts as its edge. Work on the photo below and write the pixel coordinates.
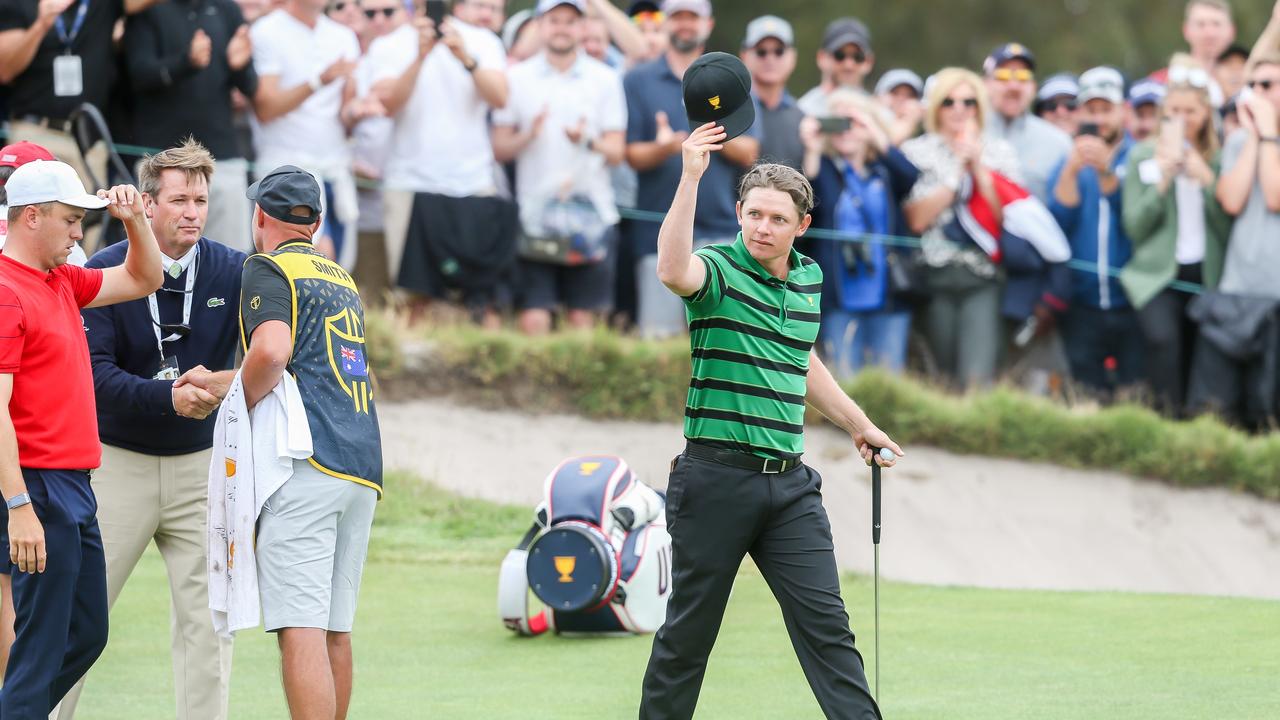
(168, 369)
(68, 76)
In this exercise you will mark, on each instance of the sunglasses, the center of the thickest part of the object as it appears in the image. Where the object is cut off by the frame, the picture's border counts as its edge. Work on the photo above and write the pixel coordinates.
(1263, 85)
(386, 12)
(1193, 76)
(967, 102)
(857, 55)
(1053, 105)
(766, 52)
(1008, 74)
(338, 7)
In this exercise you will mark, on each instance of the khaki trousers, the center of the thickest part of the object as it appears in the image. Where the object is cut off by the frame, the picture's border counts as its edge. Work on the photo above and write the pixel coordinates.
(145, 497)
(397, 210)
(64, 148)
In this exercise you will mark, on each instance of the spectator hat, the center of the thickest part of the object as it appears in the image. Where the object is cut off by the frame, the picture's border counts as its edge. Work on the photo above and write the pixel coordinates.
(285, 188)
(1146, 92)
(896, 78)
(769, 26)
(42, 181)
(546, 6)
(1007, 52)
(643, 6)
(512, 27)
(846, 31)
(1102, 83)
(701, 8)
(21, 153)
(717, 88)
(1057, 85)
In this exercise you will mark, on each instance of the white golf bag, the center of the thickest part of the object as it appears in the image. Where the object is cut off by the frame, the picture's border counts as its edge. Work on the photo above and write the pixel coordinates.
(598, 555)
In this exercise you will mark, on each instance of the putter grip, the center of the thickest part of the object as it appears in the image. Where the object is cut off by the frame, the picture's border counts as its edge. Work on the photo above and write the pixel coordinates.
(875, 498)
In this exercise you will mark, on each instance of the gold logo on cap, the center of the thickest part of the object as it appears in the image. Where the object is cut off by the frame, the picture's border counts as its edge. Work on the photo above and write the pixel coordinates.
(715, 102)
(587, 468)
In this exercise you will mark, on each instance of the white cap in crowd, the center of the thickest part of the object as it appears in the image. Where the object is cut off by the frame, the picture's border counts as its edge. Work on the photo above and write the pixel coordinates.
(896, 78)
(769, 26)
(1101, 83)
(45, 181)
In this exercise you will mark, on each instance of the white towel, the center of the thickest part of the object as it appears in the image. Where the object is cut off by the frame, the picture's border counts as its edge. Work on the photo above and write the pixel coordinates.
(275, 434)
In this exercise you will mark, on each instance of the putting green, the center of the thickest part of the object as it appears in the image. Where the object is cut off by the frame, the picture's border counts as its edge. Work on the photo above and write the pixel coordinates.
(428, 645)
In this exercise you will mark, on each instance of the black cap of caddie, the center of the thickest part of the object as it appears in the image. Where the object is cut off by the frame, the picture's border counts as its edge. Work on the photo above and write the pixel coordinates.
(284, 189)
(717, 88)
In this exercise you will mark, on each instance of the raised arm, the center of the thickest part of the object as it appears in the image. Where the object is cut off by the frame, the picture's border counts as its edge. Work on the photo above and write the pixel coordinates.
(676, 267)
(394, 92)
(18, 46)
(622, 31)
(140, 275)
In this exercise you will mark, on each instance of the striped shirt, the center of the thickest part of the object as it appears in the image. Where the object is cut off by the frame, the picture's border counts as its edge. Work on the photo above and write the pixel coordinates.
(750, 335)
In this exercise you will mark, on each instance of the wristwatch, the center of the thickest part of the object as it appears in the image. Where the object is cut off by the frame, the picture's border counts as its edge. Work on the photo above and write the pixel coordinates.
(470, 64)
(1269, 138)
(18, 501)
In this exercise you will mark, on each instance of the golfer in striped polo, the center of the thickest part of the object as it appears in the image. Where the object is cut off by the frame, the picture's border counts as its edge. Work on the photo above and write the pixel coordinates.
(740, 487)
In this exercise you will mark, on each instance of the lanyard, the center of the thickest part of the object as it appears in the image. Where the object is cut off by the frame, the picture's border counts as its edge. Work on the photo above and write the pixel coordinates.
(76, 24)
(186, 307)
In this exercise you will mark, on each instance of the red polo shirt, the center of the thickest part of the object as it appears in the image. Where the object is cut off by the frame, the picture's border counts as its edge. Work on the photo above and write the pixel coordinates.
(42, 344)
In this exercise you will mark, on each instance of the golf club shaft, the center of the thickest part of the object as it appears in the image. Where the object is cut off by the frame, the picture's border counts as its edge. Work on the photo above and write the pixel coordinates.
(875, 542)
(877, 623)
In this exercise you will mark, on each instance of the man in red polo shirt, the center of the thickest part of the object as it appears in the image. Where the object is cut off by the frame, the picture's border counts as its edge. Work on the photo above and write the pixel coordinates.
(48, 425)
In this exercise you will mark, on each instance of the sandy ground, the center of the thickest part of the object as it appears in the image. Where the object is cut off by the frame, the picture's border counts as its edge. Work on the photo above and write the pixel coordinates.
(948, 519)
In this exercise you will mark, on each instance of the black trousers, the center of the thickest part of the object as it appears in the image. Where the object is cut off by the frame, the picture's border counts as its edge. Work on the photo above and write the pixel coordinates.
(716, 515)
(1170, 338)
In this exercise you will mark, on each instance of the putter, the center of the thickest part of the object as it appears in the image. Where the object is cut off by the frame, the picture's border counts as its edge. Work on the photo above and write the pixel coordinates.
(875, 542)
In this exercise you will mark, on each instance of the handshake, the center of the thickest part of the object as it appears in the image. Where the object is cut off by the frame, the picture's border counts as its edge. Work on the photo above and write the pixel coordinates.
(199, 391)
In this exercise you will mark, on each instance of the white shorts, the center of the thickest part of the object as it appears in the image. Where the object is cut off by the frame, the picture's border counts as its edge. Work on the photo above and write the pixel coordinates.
(313, 536)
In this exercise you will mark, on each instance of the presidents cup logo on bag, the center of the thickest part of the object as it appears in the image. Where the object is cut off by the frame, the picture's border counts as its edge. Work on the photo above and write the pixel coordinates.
(565, 565)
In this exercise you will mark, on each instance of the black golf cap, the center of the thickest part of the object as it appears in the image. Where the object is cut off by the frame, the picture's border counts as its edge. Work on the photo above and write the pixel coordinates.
(717, 88)
(284, 189)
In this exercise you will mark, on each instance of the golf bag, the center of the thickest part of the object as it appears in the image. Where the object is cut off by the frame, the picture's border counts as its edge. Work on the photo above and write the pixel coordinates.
(598, 555)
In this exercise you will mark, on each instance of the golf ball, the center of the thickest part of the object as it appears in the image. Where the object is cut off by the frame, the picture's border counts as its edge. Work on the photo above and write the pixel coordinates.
(886, 454)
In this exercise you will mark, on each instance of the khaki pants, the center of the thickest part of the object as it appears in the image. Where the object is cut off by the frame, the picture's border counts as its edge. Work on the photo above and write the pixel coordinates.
(397, 209)
(64, 148)
(145, 497)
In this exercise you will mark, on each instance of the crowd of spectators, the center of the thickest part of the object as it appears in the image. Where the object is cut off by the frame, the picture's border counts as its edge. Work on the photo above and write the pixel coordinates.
(481, 158)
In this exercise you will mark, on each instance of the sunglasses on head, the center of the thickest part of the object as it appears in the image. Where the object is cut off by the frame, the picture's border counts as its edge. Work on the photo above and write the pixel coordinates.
(766, 52)
(1263, 85)
(1192, 76)
(1007, 74)
(372, 13)
(857, 55)
(967, 102)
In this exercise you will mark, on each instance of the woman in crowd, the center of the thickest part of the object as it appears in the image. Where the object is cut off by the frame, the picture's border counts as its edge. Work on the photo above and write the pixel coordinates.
(859, 180)
(1178, 229)
(963, 317)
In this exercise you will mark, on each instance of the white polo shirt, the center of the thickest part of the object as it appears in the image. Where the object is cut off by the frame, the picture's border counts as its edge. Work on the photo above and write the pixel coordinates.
(589, 89)
(312, 134)
(441, 139)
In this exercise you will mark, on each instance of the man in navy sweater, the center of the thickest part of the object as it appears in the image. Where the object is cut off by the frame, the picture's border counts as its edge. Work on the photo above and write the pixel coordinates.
(156, 434)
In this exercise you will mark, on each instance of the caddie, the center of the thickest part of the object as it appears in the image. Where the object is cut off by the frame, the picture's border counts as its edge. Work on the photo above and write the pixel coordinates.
(740, 486)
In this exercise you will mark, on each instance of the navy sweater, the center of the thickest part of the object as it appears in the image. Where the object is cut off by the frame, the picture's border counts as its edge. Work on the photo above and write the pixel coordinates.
(135, 412)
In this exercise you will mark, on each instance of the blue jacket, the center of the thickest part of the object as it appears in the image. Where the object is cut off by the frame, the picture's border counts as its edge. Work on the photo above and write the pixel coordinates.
(136, 412)
(1081, 225)
(899, 176)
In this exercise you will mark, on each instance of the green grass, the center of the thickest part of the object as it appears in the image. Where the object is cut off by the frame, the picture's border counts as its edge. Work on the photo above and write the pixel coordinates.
(428, 644)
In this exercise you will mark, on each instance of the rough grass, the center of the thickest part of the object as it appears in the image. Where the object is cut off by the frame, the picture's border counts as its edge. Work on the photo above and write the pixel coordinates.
(603, 374)
(428, 645)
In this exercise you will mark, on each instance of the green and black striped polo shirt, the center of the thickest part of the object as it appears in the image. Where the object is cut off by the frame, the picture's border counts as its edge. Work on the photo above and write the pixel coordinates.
(750, 335)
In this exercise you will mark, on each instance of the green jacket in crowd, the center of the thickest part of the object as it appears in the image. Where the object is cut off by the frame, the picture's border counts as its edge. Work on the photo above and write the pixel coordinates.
(1151, 223)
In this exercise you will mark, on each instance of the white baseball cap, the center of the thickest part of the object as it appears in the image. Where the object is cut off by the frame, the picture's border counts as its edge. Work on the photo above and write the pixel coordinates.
(45, 181)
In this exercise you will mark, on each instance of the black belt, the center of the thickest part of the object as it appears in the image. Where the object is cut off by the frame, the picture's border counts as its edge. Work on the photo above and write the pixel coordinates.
(746, 461)
(46, 122)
